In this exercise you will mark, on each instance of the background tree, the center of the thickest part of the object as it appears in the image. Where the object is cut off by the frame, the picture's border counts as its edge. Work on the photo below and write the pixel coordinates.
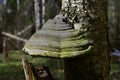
(114, 29)
(114, 18)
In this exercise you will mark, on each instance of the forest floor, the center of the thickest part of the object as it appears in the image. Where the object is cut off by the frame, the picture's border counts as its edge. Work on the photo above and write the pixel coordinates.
(13, 69)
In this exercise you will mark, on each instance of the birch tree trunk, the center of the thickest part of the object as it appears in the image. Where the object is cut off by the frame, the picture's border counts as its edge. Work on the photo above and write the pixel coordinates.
(89, 16)
(43, 11)
(38, 14)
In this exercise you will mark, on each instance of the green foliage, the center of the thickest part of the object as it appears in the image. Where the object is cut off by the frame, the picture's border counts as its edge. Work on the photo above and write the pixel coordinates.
(13, 69)
(115, 71)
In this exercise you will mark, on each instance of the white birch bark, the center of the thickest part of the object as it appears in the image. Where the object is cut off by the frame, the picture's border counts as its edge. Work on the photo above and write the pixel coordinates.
(43, 11)
(37, 14)
(18, 4)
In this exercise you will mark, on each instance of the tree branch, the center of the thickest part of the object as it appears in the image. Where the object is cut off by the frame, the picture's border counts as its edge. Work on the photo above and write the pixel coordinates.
(26, 29)
(13, 37)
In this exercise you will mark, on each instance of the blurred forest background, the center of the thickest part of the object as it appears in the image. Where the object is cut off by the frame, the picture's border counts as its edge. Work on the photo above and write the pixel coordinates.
(18, 17)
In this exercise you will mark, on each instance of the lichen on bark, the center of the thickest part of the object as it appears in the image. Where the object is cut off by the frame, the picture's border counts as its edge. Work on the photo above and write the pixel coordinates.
(77, 13)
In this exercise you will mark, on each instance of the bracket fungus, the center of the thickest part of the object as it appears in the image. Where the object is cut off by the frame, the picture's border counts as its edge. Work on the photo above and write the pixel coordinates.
(58, 39)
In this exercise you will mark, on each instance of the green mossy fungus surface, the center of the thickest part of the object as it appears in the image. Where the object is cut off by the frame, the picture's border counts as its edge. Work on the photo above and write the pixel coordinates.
(58, 44)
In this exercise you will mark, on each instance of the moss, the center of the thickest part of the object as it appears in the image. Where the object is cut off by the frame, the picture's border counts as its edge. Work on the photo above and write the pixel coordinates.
(61, 54)
(74, 43)
(47, 48)
(76, 53)
(72, 38)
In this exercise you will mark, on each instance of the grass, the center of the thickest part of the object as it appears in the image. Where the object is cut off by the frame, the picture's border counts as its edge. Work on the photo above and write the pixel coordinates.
(13, 69)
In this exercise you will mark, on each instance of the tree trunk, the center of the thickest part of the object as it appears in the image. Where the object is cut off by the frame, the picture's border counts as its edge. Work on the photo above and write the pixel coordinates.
(28, 69)
(92, 16)
(117, 25)
(38, 14)
(5, 52)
